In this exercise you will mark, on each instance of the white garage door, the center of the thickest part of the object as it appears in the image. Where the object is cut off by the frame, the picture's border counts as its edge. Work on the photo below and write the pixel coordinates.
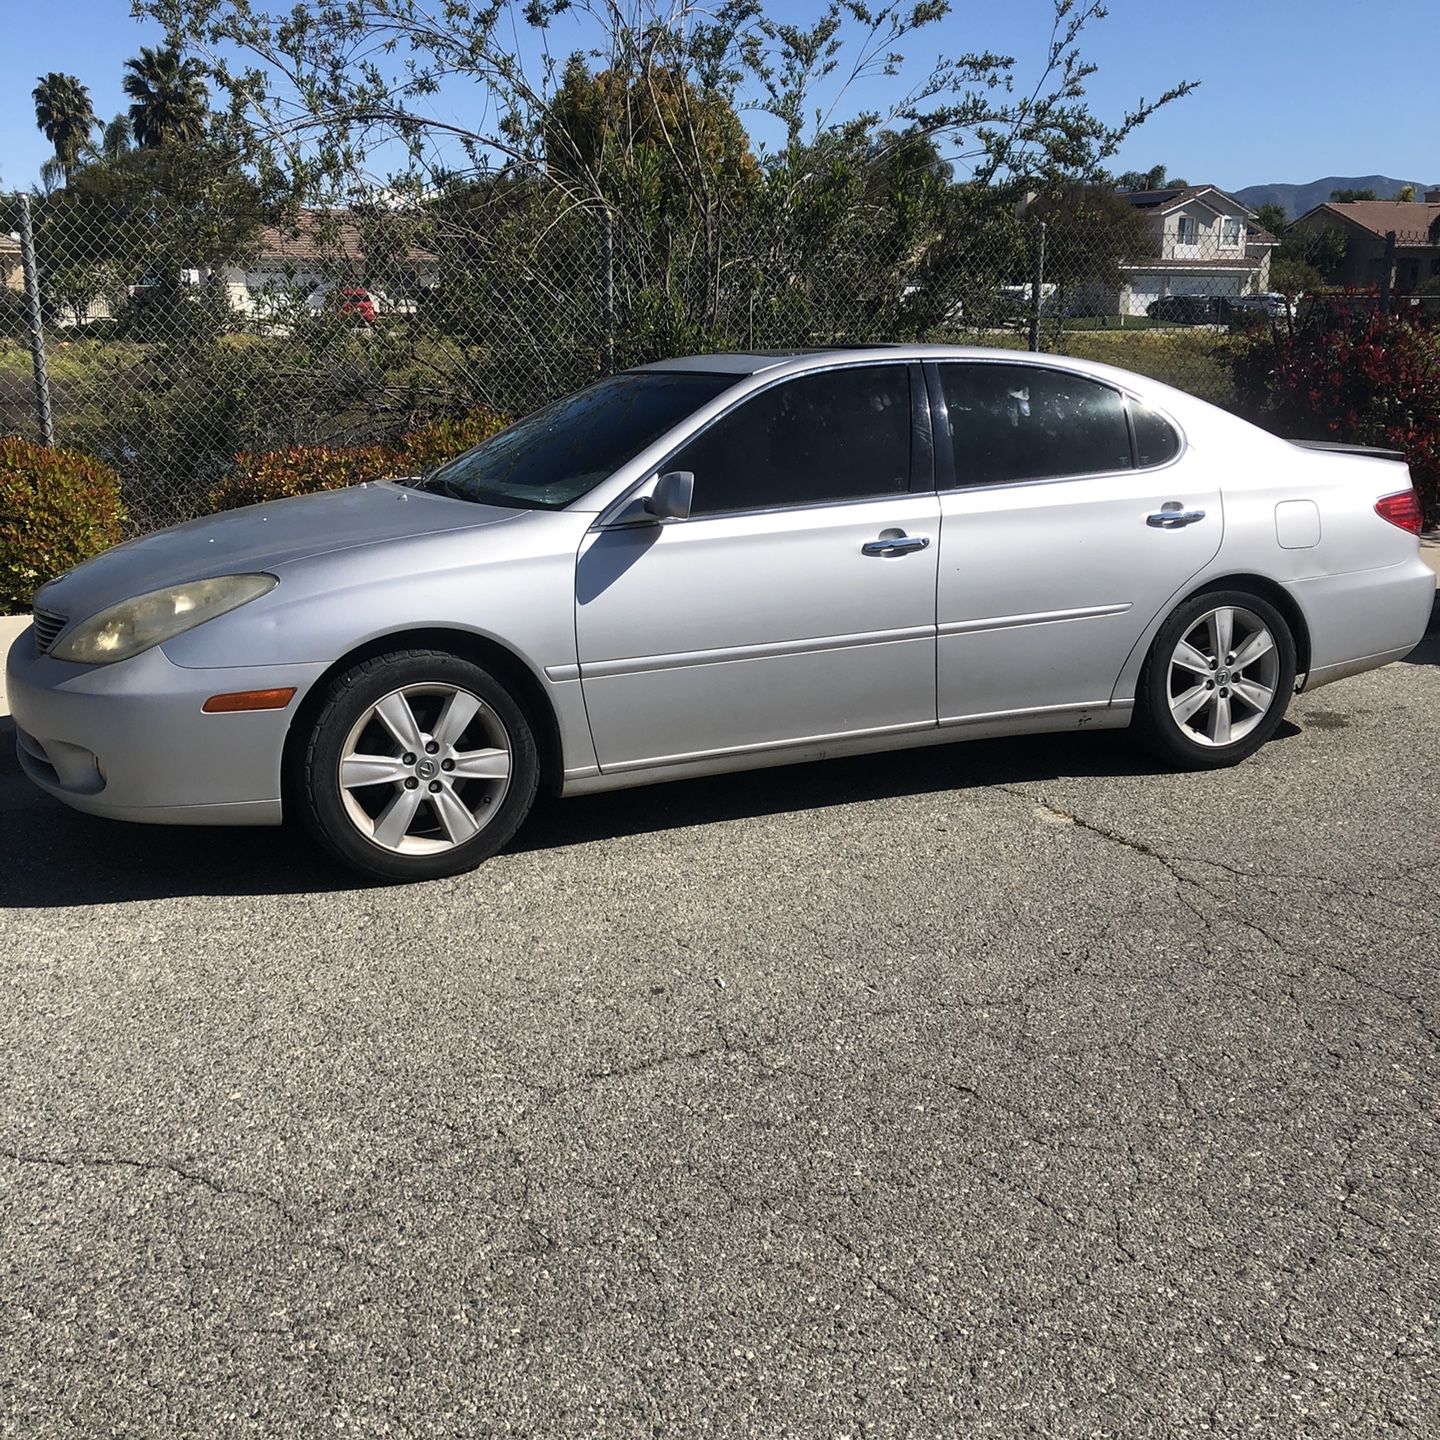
(1144, 290)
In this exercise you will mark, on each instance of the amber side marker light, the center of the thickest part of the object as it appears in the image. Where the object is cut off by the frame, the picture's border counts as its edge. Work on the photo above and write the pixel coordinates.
(248, 700)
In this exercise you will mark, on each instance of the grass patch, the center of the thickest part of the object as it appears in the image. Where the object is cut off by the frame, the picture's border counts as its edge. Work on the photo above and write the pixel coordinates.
(1190, 360)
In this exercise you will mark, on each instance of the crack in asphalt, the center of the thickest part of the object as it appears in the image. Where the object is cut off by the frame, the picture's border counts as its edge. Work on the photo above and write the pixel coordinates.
(81, 1161)
(1172, 866)
(192, 1177)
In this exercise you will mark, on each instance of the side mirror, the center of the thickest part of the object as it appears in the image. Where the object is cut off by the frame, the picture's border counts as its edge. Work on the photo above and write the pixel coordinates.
(672, 496)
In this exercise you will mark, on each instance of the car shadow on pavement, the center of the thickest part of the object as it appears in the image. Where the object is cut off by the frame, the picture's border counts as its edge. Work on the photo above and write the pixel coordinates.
(941, 770)
(51, 856)
(1427, 652)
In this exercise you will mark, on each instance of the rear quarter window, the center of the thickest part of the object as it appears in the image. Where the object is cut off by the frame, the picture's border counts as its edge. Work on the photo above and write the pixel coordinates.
(1155, 438)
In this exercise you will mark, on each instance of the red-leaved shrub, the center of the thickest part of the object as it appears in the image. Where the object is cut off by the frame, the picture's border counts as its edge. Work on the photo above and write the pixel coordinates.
(306, 469)
(1351, 373)
(301, 470)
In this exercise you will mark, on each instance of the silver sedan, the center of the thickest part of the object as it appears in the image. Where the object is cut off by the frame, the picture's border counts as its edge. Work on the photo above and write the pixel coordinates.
(713, 564)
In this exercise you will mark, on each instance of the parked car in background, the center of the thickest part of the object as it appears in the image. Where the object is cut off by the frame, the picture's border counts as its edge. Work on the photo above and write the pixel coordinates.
(1270, 304)
(1186, 309)
(713, 564)
(356, 301)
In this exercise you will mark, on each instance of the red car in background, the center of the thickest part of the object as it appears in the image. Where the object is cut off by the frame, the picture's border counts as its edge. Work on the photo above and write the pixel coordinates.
(355, 300)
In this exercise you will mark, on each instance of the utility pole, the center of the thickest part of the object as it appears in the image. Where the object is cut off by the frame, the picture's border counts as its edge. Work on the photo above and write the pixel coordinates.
(1037, 282)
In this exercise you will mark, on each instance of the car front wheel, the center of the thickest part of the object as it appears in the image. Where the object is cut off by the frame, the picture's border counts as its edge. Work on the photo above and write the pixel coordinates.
(1216, 681)
(418, 764)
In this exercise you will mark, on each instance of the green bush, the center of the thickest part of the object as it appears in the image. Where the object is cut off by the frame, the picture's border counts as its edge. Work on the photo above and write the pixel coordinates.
(442, 440)
(57, 508)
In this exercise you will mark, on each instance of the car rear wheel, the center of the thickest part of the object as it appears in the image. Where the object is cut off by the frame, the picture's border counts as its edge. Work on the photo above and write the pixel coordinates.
(1216, 681)
(418, 764)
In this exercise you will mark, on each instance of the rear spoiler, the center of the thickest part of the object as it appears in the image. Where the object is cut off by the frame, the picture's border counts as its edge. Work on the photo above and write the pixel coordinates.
(1372, 452)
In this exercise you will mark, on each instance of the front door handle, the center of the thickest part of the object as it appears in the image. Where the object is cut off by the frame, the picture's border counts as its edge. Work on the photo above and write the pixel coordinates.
(1176, 519)
(894, 542)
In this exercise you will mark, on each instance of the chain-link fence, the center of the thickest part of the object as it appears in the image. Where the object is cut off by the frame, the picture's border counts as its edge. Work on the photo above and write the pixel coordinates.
(179, 341)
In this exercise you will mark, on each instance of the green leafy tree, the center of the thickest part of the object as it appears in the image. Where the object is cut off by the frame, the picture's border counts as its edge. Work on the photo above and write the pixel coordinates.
(1273, 218)
(352, 78)
(1406, 194)
(65, 116)
(1343, 197)
(1321, 249)
(1293, 278)
(1092, 233)
(168, 97)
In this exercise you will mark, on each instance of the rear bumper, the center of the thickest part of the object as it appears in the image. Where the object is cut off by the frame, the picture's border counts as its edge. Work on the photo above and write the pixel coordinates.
(130, 742)
(1365, 619)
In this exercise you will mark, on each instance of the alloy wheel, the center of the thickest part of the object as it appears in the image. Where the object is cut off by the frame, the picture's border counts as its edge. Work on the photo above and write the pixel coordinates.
(425, 769)
(1222, 676)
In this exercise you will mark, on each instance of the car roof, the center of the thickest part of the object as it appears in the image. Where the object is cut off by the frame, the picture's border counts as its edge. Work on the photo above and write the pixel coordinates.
(749, 363)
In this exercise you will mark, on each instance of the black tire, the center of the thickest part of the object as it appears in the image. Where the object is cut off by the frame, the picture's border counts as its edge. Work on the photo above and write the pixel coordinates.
(347, 701)
(1177, 743)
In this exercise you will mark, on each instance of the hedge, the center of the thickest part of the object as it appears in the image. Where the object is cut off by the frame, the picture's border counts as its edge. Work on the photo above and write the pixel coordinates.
(57, 508)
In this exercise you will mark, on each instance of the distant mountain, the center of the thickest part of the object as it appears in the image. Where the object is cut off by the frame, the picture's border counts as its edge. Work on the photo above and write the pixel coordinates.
(1297, 199)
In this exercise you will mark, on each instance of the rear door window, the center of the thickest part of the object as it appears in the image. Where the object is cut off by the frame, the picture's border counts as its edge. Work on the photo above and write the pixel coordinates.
(1022, 422)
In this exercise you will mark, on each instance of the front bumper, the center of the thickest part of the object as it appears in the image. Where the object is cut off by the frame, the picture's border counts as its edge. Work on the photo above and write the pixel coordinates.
(129, 741)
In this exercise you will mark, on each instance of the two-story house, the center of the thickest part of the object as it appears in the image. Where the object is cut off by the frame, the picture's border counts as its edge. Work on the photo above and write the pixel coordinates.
(1205, 243)
(1365, 225)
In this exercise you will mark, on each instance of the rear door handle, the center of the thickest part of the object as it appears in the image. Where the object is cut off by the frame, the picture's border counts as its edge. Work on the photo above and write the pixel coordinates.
(898, 543)
(1175, 519)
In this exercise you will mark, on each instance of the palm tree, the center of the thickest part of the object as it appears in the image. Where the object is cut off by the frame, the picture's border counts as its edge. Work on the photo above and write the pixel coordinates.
(114, 145)
(115, 138)
(64, 113)
(1156, 178)
(168, 97)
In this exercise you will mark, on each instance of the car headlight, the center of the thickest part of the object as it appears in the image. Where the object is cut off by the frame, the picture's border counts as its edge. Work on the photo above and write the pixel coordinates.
(148, 620)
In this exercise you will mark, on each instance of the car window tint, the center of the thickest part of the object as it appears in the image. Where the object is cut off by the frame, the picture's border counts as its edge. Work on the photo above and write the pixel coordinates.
(1155, 438)
(557, 454)
(837, 435)
(1017, 422)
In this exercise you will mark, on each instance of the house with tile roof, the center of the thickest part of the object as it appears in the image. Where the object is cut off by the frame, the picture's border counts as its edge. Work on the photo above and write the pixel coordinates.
(1205, 242)
(1365, 225)
(308, 260)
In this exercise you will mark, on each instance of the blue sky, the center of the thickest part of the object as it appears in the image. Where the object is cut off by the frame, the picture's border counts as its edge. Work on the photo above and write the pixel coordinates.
(1290, 91)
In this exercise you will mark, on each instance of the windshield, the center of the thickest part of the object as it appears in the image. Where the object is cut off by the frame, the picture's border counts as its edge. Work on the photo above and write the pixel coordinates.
(556, 455)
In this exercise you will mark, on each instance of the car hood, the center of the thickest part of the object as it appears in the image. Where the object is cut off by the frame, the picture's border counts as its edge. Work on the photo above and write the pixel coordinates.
(260, 538)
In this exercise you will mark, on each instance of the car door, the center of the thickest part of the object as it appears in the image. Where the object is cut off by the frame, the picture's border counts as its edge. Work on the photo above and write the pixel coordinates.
(795, 602)
(1070, 515)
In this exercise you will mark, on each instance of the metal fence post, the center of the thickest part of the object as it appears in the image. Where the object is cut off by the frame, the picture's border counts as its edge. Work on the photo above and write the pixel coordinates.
(1387, 272)
(1037, 281)
(608, 290)
(36, 324)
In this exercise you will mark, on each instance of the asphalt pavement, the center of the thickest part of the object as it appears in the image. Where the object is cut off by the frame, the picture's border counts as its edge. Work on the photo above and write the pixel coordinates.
(1009, 1089)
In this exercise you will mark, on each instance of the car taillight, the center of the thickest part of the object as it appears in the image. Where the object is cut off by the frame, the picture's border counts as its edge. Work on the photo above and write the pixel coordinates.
(1402, 509)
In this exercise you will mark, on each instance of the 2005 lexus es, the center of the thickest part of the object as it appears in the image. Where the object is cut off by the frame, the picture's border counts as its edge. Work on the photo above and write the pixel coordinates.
(712, 564)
